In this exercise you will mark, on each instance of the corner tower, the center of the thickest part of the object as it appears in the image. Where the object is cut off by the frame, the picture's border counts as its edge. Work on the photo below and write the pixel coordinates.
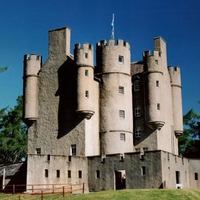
(83, 57)
(116, 118)
(175, 79)
(32, 66)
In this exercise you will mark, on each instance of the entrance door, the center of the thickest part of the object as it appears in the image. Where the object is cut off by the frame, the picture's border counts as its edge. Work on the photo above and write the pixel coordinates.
(120, 179)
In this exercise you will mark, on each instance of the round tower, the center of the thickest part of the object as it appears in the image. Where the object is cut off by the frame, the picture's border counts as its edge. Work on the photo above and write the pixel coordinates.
(175, 78)
(116, 118)
(83, 57)
(32, 66)
(153, 78)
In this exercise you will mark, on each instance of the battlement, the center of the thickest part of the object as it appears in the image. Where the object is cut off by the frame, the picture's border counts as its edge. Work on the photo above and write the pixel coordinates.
(32, 57)
(172, 69)
(84, 47)
(175, 75)
(149, 53)
(119, 42)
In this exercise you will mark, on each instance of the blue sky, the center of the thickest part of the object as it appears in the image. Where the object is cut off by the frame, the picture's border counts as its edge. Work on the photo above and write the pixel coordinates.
(24, 27)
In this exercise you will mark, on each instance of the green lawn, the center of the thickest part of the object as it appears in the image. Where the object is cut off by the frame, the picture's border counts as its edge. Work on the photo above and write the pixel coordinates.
(153, 194)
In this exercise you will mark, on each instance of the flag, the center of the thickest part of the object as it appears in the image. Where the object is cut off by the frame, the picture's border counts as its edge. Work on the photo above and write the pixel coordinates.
(112, 26)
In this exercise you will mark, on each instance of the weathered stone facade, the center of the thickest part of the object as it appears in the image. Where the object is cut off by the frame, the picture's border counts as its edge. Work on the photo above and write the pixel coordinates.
(111, 126)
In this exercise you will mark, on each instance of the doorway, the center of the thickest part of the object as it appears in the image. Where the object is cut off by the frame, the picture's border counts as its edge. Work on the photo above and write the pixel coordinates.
(120, 179)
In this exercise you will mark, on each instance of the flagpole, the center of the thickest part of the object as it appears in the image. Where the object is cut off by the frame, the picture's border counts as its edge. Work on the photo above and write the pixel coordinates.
(112, 27)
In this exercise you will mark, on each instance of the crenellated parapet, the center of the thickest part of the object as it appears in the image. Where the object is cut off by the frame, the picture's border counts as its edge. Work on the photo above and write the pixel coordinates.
(32, 66)
(152, 62)
(119, 42)
(113, 57)
(175, 76)
(83, 55)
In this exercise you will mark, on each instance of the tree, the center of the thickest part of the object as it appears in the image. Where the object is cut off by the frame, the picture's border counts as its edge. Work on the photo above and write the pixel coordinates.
(189, 142)
(3, 69)
(13, 138)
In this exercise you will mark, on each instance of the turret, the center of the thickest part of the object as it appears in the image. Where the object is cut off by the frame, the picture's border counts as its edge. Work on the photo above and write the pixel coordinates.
(154, 65)
(32, 66)
(116, 118)
(83, 57)
(175, 78)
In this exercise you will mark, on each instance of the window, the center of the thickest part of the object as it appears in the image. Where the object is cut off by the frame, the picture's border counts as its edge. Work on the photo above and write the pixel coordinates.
(196, 176)
(87, 93)
(86, 72)
(38, 150)
(46, 173)
(158, 106)
(79, 174)
(122, 114)
(69, 174)
(178, 177)
(58, 173)
(86, 55)
(137, 149)
(73, 149)
(97, 174)
(121, 89)
(156, 61)
(122, 137)
(137, 132)
(48, 157)
(136, 86)
(157, 83)
(145, 149)
(137, 112)
(121, 59)
(143, 170)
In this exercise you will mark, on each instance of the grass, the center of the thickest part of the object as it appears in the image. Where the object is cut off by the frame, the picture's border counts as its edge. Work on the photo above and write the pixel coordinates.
(152, 194)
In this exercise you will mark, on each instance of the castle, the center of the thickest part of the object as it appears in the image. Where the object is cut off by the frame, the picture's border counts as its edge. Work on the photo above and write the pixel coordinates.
(111, 126)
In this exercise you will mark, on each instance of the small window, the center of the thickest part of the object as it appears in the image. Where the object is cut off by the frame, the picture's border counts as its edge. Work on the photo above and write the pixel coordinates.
(159, 54)
(137, 132)
(69, 174)
(79, 174)
(137, 86)
(121, 59)
(97, 174)
(196, 176)
(69, 158)
(137, 149)
(156, 61)
(178, 177)
(46, 173)
(158, 106)
(122, 114)
(86, 55)
(145, 149)
(121, 89)
(143, 170)
(86, 72)
(38, 150)
(157, 83)
(48, 157)
(137, 112)
(122, 137)
(73, 149)
(58, 173)
(87, 93)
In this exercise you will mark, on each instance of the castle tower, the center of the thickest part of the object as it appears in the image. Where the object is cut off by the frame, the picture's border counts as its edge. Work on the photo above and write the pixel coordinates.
(32, 66)
(154, 82)
(174, 73)
(116, 118)
(83, 57)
